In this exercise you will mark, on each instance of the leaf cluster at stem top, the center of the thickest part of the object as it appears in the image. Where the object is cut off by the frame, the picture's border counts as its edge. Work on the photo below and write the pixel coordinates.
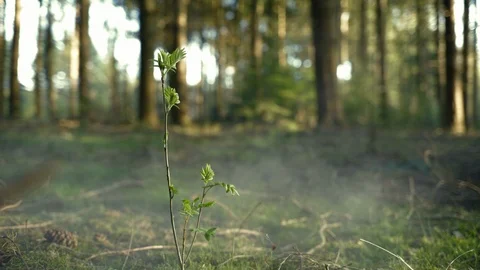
(168, 61)
(207, 174)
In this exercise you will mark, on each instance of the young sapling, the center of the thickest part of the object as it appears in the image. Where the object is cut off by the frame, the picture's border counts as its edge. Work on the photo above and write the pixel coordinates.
(167, 62)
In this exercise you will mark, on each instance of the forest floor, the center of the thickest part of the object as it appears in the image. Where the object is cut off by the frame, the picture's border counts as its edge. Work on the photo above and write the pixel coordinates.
(306, 199)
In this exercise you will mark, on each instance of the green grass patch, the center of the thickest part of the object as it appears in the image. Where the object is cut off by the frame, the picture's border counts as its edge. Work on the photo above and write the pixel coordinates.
(305, 200)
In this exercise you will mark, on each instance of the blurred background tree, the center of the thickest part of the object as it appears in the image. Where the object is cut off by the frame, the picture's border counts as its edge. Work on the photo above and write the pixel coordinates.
(294, 64)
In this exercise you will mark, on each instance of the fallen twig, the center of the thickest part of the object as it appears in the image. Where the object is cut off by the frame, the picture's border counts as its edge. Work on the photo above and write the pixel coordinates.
(27, 226)
(10, 206)
(469, 185)
(323, 216)
(238, 231)
(127, 251)
(324, 227)
(117, 185)
(284, 261)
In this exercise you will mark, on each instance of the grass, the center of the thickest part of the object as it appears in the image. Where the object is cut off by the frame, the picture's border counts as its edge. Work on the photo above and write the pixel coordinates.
(306, 200)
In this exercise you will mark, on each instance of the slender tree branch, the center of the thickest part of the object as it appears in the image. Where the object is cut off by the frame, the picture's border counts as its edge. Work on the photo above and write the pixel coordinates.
(205, 190)
(167, 166)
(184, 238)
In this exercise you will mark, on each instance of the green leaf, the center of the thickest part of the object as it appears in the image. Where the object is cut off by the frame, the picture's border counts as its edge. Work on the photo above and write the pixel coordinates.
(168, 61)
(185, 203)
(195, 203)
(207, 236)
(229, 188)
(162, 57)
(207, 174)
(207, 204)
(188, 209)
(171, 97)
(176, 57)
(209, 233)
(233, 190)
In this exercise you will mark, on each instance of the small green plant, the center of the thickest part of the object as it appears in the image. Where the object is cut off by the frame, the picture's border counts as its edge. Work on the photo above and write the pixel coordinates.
(191, 209)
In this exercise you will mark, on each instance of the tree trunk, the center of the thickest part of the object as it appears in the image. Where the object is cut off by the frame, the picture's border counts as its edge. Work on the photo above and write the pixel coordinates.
(49, 59)
(363, 34)
(423, 91)
(325, 42)
(465, 54)
(147, 97)
(38, 70)
(2, 57)
(341, 41)
(450, 53)
(84, 58)
(236, 39)
(256, 44)
(475, 71)
(201, 89)
(281, 8)
(421, 53)
(74, 68)
(128, 112)
(73, 56)
(220, 48)
(180, 115)
(380, 9)
(343, 24)
(14, 100)
(439, 64)
(236, 48)
(114, 78)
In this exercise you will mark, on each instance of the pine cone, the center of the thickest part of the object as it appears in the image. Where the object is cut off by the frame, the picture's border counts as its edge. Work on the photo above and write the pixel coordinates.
(61, 237)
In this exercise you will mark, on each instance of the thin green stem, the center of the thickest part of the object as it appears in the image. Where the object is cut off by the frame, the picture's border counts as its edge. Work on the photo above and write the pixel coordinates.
(167, 166)
(205, 190)
(184, 237)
